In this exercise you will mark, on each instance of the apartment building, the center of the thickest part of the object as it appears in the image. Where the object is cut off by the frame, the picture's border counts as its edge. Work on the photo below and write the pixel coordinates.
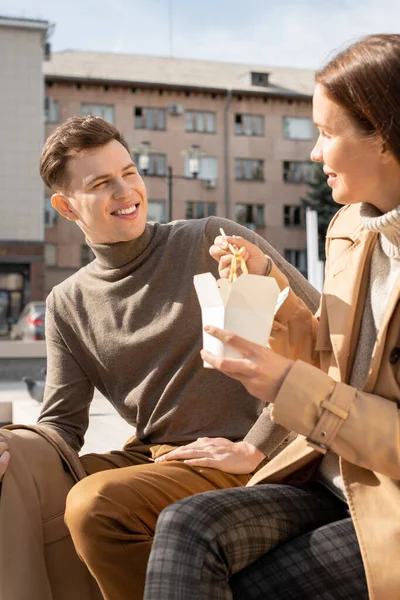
(22, 271)
(211, 138)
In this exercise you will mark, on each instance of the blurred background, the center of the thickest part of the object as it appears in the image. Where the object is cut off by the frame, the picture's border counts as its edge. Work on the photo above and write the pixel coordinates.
(214, 99)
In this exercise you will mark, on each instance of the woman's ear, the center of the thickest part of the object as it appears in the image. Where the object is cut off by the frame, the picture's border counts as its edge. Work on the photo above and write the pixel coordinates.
(61, 204)
(387, 155)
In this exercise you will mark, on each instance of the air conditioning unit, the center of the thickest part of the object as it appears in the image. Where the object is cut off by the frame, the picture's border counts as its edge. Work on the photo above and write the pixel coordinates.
(209, 184)
(175, 109)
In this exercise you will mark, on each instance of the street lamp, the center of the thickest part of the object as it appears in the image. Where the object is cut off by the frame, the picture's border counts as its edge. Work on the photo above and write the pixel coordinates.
(144, 158)
(193, 155)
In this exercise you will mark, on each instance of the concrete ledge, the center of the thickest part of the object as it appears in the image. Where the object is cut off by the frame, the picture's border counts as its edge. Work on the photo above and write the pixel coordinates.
(6, 413)
(14, 369)
(11, 349)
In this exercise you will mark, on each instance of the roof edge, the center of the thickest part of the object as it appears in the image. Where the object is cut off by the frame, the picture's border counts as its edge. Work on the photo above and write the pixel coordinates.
(275, 93)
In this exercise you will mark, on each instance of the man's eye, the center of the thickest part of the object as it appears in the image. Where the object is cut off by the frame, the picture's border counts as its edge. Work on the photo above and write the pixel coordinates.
(99, 184)
(129, 173)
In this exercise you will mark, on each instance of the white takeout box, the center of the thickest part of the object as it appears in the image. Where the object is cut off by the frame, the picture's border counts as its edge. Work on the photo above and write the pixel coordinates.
(245, 307)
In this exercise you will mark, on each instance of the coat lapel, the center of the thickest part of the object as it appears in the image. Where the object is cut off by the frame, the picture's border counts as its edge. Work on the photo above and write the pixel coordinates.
(349, 274)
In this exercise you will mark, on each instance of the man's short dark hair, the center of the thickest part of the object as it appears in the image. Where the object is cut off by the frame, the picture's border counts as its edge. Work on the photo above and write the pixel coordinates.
(70, 138)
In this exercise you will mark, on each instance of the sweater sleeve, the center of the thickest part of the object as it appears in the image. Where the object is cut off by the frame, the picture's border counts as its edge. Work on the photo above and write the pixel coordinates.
(294, 328)
(299, 284)
(333, 415)
(68, 391)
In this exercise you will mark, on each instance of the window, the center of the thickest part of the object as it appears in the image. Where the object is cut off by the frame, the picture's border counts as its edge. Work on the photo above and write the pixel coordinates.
(50, 254)
(105, 111)
(157, 164)
(296, 171)
(157, 211)
(250, 215)
(199, 210)
(50, 214)
(249, 124)
(86, 255)
(297, 258)
(294, 216)
(259, 78)
(150, 118)
(297, 128)
(51, 110)
(248, 169)
(202, 122)
(208, 168)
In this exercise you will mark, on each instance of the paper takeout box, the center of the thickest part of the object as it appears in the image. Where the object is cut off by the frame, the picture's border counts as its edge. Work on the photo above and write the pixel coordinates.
(245, 307)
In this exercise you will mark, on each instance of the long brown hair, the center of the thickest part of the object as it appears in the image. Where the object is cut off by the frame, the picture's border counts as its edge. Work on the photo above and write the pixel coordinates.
(365, 80)
(73, 136)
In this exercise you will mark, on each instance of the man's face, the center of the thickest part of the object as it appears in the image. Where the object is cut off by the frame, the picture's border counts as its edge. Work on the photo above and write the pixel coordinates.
(106, 196)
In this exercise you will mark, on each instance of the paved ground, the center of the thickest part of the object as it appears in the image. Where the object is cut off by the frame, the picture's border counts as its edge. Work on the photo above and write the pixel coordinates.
(107, 430)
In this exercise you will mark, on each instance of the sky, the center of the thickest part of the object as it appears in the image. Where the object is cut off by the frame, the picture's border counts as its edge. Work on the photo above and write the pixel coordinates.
(302, 33)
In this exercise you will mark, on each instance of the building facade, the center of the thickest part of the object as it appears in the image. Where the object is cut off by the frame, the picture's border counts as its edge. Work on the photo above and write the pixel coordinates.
(249, 128)
(22, 267)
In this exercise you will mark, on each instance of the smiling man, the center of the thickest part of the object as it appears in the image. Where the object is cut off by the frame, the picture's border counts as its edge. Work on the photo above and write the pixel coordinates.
(129, 324)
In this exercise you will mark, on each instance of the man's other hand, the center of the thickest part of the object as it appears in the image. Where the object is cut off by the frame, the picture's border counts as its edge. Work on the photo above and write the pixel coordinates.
(4, 457)
(218, 453)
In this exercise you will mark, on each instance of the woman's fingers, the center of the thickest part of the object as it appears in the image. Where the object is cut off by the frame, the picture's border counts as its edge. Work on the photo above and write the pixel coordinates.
(231, 339)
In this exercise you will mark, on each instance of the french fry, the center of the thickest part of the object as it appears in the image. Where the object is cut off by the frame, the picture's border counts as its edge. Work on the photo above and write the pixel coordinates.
(237, 259)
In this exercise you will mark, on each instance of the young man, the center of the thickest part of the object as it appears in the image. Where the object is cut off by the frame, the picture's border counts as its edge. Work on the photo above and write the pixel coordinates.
(129, 324)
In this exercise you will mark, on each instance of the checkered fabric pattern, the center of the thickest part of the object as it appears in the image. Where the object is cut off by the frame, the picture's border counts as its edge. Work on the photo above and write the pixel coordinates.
(202, 541)
(324, 564)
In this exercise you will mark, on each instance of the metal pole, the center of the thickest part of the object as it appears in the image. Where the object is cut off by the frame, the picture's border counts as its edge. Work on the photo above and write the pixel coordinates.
(169, 193)
(226, 153)
(312, 246)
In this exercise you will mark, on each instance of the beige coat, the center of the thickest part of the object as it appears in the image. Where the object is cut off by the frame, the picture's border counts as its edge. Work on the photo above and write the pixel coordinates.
(362, 427)
(37, 558)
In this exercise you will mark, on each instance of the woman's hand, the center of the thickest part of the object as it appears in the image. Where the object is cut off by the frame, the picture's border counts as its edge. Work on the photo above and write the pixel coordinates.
(257, 263)
(261, 371)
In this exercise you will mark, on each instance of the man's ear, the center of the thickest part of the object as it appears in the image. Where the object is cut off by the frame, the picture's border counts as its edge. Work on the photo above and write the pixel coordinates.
(61, 204)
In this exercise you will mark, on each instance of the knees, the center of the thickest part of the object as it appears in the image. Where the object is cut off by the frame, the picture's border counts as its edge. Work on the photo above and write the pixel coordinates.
(194, 517)
(104, 507)
(85, 505)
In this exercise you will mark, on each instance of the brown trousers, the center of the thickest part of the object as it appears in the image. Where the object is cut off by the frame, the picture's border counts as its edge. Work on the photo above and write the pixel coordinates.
(112, 514)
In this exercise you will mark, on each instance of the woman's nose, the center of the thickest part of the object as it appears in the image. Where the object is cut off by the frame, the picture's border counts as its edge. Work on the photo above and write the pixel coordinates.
(316, 152)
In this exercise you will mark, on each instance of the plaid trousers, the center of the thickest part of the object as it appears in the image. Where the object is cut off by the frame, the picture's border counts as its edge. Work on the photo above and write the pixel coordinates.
(268, 541)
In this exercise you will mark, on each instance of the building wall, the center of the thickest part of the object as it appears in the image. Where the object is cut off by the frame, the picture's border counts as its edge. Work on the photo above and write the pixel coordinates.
(273, 193)
(22, 265)
(21, 104)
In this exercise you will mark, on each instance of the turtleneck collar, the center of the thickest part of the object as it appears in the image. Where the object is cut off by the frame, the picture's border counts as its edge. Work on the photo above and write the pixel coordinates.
(119, 254)
(386, 224)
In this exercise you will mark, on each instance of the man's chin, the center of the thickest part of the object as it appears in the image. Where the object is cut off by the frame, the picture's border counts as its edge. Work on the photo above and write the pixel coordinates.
(135, 232)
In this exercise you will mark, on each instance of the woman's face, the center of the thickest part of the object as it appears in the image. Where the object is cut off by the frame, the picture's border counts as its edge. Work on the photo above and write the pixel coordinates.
(358, 166)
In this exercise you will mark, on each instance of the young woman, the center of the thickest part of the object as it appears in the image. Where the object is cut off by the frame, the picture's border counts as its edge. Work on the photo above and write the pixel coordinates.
(325, 521)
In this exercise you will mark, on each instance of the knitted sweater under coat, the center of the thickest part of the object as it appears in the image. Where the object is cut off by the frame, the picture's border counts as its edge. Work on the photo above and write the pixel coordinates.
(129, 324)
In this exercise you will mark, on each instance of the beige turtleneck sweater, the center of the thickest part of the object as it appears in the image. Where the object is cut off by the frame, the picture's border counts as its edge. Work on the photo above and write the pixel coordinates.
(130, 324)
(385, 268)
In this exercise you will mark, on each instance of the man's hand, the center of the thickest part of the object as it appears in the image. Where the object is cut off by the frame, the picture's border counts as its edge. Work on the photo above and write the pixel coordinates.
(257, 263)
(4, 457)
(218, 453)
(261, 371)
